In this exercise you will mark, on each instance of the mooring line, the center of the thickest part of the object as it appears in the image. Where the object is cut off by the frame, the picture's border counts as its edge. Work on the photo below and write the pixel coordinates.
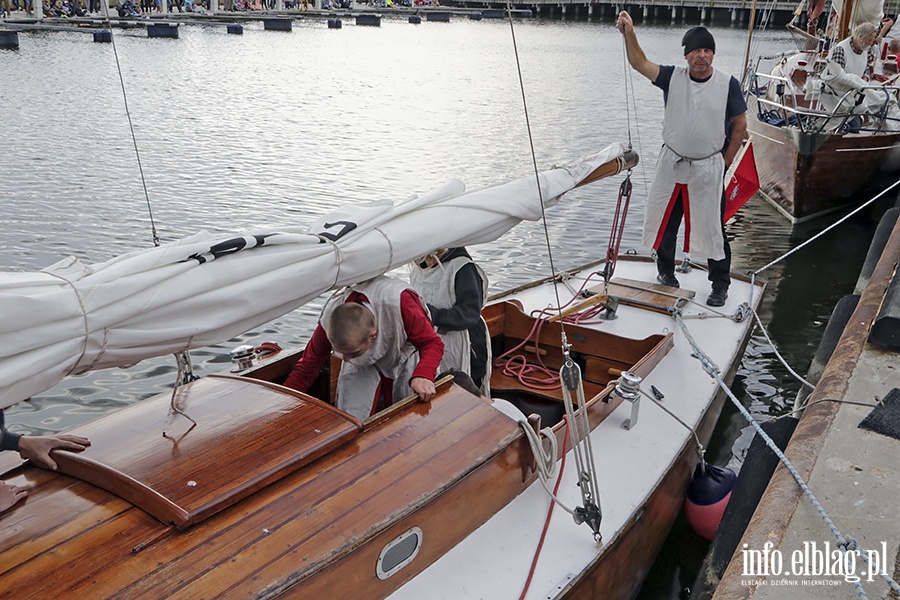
(827, 229)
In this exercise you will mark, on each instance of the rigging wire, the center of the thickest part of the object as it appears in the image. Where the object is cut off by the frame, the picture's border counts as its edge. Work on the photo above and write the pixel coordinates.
(537, 176)
(137, 153)
(845, 543)
(631, 105)
(629, 85)
(182, 358)
(767, 10)
(569, 371)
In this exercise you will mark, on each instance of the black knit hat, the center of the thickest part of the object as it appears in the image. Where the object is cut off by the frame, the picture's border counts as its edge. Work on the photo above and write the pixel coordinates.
(698, 37)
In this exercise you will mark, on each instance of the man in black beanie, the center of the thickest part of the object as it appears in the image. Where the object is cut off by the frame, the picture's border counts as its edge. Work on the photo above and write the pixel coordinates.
(704, 125)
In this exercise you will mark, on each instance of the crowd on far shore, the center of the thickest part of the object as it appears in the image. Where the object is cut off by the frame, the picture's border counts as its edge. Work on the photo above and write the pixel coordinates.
(78, 8)
(140, 8)
(51, 8)
(327, 4)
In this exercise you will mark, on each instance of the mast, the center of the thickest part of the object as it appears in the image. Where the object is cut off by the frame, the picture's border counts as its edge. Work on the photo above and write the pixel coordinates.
(749, 38)
(843, 29)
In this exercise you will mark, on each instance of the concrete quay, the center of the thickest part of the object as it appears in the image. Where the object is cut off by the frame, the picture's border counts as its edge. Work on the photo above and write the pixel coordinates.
(788, 550)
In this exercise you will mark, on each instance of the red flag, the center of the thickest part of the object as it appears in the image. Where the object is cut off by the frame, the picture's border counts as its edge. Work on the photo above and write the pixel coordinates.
(741, 180)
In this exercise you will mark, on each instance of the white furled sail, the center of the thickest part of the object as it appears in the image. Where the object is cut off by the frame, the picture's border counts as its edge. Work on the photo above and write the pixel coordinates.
(71, 318)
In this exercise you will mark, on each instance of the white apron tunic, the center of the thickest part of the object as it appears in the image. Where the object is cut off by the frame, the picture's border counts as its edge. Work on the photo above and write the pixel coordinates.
(437, 286)
(691, 162)
(391, 353)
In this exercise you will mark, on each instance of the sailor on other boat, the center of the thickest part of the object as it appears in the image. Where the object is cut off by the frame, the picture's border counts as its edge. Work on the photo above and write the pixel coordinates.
(850, 66)
(384, 336)
(704, 125)
(455, 290)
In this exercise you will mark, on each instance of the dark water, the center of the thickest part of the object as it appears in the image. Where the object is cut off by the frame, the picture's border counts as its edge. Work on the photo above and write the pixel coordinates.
(236, 132)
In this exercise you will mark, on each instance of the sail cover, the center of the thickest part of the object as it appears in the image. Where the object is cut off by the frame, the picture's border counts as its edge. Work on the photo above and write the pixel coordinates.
(71, 318)
(864, 11)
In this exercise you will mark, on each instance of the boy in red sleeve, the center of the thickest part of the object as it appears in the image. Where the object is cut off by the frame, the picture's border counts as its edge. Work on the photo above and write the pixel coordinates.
(381, 330)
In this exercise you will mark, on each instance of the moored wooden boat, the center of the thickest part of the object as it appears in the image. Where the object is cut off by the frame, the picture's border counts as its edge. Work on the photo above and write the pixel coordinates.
(814, 150)
(806, 173)
(276, 494)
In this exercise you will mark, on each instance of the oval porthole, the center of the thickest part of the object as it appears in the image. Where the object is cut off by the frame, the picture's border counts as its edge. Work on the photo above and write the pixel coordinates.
(398, 553)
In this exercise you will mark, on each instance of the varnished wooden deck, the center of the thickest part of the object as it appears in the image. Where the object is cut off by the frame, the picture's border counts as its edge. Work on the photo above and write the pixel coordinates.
(247, 436)
(315, 533)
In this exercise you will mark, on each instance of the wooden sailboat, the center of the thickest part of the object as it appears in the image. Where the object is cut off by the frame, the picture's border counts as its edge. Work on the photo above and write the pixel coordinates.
(234, 486)
(274, 493)
(812, 160)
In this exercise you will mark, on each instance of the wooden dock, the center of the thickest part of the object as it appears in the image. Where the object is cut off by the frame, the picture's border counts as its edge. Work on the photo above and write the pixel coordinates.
(721, 12)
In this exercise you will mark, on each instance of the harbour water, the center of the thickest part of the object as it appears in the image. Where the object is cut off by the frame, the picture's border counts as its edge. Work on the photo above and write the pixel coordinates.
(273, 129)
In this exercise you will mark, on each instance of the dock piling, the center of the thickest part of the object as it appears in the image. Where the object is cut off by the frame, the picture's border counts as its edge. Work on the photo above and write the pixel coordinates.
(277, 24)
(372, 20)
(9, 39)
(162, 30)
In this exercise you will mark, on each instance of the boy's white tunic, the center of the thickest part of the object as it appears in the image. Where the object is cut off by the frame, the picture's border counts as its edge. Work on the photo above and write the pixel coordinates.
(693, 137)
(391, 353)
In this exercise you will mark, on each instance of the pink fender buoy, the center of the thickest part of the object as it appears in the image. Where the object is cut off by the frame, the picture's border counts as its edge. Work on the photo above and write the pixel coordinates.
(707, 497)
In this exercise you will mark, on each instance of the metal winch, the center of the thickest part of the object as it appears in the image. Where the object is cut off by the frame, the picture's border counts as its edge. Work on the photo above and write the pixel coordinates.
(242, 357)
